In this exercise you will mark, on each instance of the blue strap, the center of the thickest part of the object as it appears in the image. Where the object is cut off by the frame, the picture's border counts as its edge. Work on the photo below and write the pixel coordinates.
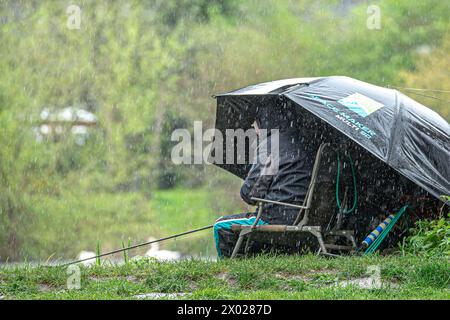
(226, 224)
(374, 246)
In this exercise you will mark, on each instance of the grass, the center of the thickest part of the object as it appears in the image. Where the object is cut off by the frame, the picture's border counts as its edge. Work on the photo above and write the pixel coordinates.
(263, 277)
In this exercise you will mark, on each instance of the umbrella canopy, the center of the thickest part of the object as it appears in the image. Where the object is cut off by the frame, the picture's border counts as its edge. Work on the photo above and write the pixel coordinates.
(407, 136)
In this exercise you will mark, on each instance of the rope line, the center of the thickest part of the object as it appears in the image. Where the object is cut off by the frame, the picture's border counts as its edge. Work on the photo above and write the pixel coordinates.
(428, 96)
(421, 89)
(417, 90)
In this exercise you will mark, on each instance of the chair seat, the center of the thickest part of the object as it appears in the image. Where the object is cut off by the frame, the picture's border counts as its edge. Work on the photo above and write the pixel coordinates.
(305, 225)
(314, 230)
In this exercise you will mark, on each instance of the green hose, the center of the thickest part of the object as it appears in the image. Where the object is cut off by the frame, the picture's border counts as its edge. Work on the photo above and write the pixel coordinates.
(355, 191)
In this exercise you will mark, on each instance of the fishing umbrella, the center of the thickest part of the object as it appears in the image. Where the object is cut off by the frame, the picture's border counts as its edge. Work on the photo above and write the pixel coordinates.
(400, 132)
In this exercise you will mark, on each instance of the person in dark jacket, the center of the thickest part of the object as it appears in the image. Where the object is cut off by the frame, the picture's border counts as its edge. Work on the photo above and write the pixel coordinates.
(283, 175)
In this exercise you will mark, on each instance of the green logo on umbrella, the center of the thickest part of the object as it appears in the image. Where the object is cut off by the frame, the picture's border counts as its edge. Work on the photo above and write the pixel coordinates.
(361, 104)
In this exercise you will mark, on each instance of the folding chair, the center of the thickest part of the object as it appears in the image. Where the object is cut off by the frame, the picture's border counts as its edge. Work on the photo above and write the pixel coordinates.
(300, 224)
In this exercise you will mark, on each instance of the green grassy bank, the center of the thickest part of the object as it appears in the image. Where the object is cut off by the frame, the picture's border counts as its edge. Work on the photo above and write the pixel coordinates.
(264, 277)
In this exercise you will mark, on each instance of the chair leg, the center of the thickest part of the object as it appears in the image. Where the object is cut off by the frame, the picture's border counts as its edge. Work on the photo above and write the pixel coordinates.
(247, 244)
(321, 242)
(248, 231)
(238, 244)
(319, 237)
(353, 241)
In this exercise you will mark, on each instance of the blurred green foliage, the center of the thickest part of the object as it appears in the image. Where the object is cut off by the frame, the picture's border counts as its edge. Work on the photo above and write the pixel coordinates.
(429, 238)
(147, 67)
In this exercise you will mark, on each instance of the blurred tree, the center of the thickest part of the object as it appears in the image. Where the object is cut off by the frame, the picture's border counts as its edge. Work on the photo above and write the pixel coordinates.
(117, 64)
(432, 73)
(377, 56)
(147, 67)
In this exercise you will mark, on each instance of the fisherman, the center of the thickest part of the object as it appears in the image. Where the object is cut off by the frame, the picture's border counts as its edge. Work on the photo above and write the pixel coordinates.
(284, 176)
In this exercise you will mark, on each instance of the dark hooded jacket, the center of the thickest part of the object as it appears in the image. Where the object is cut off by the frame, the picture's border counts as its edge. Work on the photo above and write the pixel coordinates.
(290, 182)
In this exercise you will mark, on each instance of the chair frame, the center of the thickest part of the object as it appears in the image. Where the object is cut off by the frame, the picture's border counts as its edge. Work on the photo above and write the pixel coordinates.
(300, 223)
